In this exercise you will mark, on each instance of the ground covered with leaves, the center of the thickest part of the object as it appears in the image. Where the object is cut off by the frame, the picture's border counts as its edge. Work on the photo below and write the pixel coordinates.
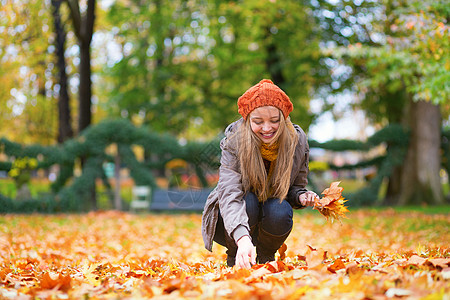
(371, 255)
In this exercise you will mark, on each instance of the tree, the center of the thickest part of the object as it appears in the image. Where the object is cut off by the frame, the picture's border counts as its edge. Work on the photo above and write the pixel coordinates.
(187, 62)
(407, 65)
(27, 91)
(423, 28)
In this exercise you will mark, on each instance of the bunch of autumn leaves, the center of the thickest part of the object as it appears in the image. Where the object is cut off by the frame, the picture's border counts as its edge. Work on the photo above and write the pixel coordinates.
(331, 205)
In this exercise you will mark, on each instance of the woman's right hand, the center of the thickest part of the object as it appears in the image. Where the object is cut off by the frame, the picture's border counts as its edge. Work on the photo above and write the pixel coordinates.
(246, 253)
(308, 198)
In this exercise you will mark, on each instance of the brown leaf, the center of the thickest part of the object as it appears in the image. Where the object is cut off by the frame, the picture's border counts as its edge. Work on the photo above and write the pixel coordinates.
(352, 268)
(282, 251)
(438, 263)
(301, 257)
(314, 258)
(337, 265)
(276, 266)
(416, 260)
(311, 248)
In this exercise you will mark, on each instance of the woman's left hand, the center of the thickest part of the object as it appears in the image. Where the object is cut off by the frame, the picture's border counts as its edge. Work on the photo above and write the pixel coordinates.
(246, 254)
(307, 199)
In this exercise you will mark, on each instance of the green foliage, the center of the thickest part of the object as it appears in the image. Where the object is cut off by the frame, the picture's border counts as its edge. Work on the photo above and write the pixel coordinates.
(318, 166)
(410, 56)
(48, 204)
(387, 53)
(160, 56)
(21, 168)
(186, 63)
(27, 106)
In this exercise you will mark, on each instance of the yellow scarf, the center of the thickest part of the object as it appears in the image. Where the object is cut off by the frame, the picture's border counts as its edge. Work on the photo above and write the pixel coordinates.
(269, 152)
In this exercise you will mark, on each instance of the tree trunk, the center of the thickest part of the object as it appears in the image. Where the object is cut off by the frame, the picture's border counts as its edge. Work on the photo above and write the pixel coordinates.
(85, 91)
(394, 186)
(117, 199)
(420, 177)
(83, 25)
(65, 131)
(84, 113)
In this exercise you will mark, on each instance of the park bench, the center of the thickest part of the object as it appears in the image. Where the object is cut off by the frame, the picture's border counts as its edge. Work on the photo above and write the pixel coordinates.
(141, 198)
(179, 200)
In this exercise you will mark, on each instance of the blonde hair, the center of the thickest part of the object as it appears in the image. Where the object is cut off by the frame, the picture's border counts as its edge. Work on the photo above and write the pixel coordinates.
(254, 175)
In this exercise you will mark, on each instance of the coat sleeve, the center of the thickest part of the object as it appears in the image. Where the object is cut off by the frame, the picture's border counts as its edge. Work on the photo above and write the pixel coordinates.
(230, 193)
(300, 172)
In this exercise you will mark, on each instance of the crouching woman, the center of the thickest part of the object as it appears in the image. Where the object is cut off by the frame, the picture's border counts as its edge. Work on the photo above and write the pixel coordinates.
(262, 178)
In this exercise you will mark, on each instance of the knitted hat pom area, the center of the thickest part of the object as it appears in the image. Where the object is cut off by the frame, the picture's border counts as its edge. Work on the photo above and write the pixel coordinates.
(264, 93)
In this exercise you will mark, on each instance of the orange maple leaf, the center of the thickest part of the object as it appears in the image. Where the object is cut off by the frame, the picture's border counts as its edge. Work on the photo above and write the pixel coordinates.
(331, 205)
(56, 280)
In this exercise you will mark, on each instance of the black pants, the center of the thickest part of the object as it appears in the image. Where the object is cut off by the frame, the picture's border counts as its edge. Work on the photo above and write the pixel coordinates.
(270, 224)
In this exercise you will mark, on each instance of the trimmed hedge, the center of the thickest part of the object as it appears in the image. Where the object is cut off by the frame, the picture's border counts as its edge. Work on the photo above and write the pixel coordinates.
(90, 148)
(396, 139)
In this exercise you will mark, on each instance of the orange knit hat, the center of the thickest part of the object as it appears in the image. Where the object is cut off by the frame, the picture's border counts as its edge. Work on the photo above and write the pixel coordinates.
(265, 93)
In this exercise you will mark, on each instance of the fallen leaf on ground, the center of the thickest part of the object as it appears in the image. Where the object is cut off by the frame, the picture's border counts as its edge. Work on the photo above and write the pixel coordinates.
(439, 263)
(315, 257)
(416, 260)
(337, 265)
(54, 280)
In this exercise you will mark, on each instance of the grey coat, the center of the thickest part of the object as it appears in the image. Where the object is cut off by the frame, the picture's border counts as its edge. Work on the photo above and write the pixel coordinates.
(228, 196)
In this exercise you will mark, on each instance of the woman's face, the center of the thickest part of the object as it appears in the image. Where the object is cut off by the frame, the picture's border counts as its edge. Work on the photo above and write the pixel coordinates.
(265, 121)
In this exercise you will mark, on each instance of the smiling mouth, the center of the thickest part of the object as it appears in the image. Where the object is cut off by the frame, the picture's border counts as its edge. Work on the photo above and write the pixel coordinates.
(268, 136)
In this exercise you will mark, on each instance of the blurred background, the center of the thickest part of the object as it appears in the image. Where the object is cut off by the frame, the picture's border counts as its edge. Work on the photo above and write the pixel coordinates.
(98, 97)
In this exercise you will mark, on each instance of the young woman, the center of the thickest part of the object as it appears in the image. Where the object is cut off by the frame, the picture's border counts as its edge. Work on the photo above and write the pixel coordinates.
(263, 175)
